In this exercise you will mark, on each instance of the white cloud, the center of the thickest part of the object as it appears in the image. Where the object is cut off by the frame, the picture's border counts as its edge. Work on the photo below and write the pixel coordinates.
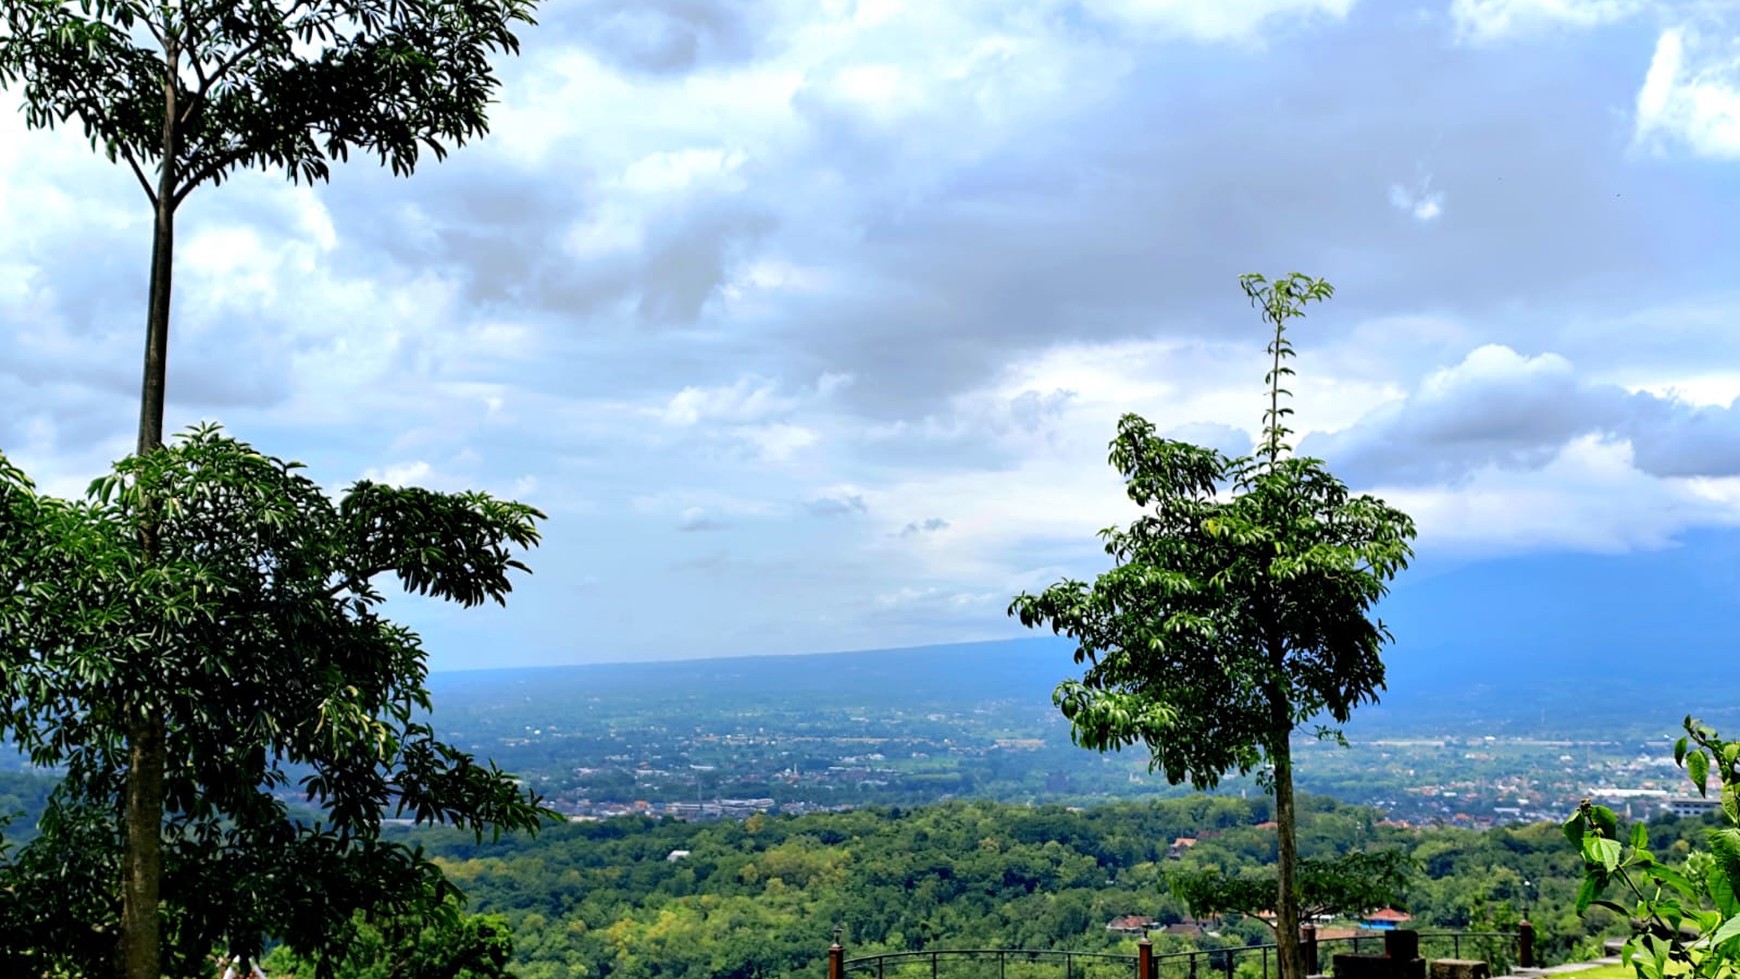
(915, 260)
(748, 399)
(694, 505)
(665, 172)
(838, 501)
(1691, 95)
(929, 525)
(882, 90)
(1491, 20)
(1588, 498)
(414, 473)
(696, 519)
(1419, 201)
(1492, 362)
(778, 442)
(1051, 414)
(1220, 20)
(1716, 389)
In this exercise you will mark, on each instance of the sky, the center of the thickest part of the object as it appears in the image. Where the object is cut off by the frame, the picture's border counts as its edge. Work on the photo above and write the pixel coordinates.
(807, 322)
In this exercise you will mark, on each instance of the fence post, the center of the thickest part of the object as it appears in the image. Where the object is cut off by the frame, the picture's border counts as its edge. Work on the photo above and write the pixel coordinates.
(1525, 941)
(1144, 959)
(1308, 941)
(836, 961)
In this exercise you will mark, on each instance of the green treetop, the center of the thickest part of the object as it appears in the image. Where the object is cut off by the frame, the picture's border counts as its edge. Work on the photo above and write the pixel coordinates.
(252, 622)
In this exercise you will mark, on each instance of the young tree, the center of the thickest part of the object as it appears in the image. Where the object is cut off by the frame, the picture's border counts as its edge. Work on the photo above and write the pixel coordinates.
(1238, 607)
(1685, 918)
(187, 91)
(252, 622)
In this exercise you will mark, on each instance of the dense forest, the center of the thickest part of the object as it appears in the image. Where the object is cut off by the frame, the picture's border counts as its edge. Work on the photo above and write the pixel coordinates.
(637, 897)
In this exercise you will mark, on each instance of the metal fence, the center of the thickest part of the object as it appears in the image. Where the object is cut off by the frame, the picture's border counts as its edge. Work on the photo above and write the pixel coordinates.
(1502, 949)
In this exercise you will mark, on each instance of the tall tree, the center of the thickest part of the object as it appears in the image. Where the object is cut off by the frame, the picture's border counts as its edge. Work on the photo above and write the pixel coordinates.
(187, 91)
(1238, 607)
(252, 622)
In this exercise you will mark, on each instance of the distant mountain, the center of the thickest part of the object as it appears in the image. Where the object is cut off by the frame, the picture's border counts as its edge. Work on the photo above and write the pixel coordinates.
(1018, 669)
(1545, 642)
(1646, 634)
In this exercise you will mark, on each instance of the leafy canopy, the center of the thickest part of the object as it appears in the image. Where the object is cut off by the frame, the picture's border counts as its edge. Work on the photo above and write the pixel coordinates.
(225, 589)
(1238, 606)
(454, 946)
(1343, 885)
(208, 86)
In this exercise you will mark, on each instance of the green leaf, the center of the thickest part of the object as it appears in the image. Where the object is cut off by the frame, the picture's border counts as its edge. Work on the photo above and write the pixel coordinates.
(1573, 829)
(1587, 894)
(1606, 822)
(1604, 852)
(1639, 836)
(1698, 767)
(1664, 875)
(1729, 931)
(1721, 889)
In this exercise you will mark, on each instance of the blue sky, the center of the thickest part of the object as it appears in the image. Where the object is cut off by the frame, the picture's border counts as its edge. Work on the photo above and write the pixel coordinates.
(808, 322)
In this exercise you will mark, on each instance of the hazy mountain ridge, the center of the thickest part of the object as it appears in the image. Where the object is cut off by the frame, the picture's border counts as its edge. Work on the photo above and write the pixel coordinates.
(1494, 642)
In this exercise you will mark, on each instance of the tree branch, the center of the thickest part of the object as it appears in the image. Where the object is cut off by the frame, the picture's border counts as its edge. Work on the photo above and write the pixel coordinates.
(223, 68)
(364, 577)
(211, 169)
(156, 34)
(139, 172)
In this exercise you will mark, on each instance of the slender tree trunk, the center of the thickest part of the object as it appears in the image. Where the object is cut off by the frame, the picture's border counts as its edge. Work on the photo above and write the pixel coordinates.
(151, 388)
(142, 866)
(1289, 954)
(139, 951)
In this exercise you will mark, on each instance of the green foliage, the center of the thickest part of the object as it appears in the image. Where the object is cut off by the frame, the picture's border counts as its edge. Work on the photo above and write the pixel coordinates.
(1342, 885)
(1685, 917)
(448, 946)
(761, 898)
(1229, 618)
(228, 591)
(290, 87)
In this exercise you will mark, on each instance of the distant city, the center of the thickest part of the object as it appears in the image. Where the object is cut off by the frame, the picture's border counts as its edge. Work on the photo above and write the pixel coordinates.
(728, 738)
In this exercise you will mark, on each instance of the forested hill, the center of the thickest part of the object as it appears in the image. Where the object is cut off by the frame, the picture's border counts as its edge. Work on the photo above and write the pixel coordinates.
(632, 897)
